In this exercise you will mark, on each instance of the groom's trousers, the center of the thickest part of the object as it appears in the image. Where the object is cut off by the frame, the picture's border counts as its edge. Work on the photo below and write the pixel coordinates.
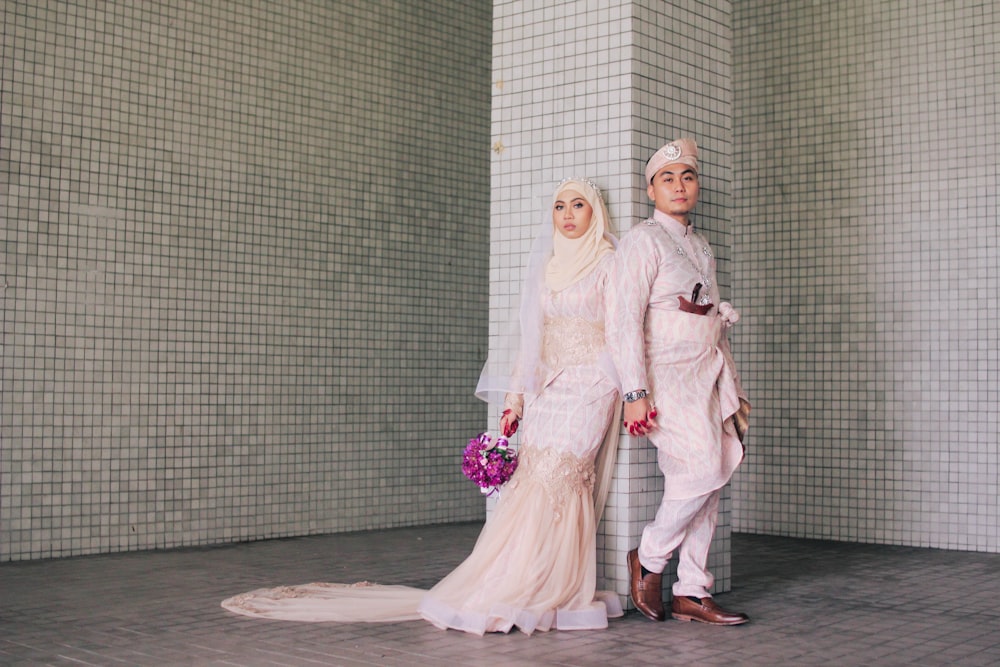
(686, 524)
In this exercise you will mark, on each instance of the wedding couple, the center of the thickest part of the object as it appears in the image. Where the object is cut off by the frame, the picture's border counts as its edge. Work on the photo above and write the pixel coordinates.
(598, 324)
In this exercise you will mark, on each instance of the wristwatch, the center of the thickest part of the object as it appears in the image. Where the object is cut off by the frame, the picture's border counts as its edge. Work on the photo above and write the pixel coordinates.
(633, 396)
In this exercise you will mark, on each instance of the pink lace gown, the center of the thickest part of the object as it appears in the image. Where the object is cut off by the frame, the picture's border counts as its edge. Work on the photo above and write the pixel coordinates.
(534, 564)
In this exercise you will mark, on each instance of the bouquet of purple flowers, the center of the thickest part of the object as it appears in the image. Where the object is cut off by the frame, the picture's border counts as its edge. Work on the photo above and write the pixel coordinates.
(488, 462)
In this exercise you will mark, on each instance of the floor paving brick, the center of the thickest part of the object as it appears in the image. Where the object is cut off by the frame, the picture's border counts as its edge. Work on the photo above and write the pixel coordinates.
(812, 603)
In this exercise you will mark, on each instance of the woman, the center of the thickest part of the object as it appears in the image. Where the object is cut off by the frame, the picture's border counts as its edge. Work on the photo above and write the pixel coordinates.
(534, 564)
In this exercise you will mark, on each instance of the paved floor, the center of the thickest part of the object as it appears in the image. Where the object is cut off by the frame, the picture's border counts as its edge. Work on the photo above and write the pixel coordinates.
(812, 603)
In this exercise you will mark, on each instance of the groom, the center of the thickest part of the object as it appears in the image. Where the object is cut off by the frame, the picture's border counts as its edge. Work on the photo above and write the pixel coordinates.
(666, 330)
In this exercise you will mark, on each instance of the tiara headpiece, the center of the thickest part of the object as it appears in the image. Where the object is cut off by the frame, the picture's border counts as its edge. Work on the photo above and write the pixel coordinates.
(589, 182)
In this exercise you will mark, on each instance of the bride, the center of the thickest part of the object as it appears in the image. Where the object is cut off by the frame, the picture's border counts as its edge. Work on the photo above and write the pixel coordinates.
(534, 565)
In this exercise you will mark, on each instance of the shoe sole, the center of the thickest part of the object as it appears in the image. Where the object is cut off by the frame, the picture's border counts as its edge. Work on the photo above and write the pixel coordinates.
(688, 619)
(651, 617)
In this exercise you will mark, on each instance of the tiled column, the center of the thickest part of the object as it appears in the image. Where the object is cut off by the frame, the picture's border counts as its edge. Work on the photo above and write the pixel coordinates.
(591, 89)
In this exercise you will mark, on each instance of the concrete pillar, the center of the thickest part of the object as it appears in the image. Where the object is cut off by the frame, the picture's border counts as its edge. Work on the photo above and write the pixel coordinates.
(592, 88)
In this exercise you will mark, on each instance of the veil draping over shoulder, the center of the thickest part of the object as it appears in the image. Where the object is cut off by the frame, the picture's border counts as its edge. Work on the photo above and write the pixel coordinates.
(514, 364)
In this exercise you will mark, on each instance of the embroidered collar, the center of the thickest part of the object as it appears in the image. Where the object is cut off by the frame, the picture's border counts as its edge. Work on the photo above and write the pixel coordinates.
(671, 224)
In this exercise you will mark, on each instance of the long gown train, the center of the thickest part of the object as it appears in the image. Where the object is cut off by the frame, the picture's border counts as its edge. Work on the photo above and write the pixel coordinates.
(534, 564)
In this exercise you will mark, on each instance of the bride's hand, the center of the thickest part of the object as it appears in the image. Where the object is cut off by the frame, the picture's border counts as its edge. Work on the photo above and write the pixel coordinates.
(640, 417)
(508, 423)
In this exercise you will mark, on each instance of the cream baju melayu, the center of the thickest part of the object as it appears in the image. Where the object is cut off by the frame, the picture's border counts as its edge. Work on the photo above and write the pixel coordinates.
(683, 359)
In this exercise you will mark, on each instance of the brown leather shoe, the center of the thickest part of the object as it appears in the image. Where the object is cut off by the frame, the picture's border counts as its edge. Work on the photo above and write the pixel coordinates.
(647, 592)
(704, 611)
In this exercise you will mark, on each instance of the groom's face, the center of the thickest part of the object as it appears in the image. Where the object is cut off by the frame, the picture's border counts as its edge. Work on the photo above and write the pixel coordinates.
(674, 189)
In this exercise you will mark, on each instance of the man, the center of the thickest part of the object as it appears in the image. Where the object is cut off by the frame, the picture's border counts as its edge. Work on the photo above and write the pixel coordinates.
(666, 329)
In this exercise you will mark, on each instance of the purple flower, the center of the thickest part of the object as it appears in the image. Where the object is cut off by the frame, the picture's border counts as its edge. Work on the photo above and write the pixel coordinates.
(488, 462)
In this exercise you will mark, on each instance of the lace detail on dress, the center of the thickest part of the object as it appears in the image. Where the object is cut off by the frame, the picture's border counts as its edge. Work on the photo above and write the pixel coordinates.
(246, 600)
(571, 341)
(561, 474)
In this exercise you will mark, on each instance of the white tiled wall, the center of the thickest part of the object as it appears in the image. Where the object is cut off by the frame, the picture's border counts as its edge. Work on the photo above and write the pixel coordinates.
(867, 254)
(593, 88)
(244, 252)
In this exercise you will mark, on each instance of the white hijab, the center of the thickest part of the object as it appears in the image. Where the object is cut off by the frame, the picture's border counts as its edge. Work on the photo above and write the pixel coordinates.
(572, 259)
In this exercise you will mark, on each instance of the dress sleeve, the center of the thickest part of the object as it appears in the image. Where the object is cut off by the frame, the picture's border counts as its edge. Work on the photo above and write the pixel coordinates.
(632, 278)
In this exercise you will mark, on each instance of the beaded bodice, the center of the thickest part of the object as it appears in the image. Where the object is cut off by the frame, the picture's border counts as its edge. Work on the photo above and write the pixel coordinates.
(574, 321)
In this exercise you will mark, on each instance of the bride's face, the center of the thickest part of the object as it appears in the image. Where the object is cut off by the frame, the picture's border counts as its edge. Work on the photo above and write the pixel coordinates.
(571, 214)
